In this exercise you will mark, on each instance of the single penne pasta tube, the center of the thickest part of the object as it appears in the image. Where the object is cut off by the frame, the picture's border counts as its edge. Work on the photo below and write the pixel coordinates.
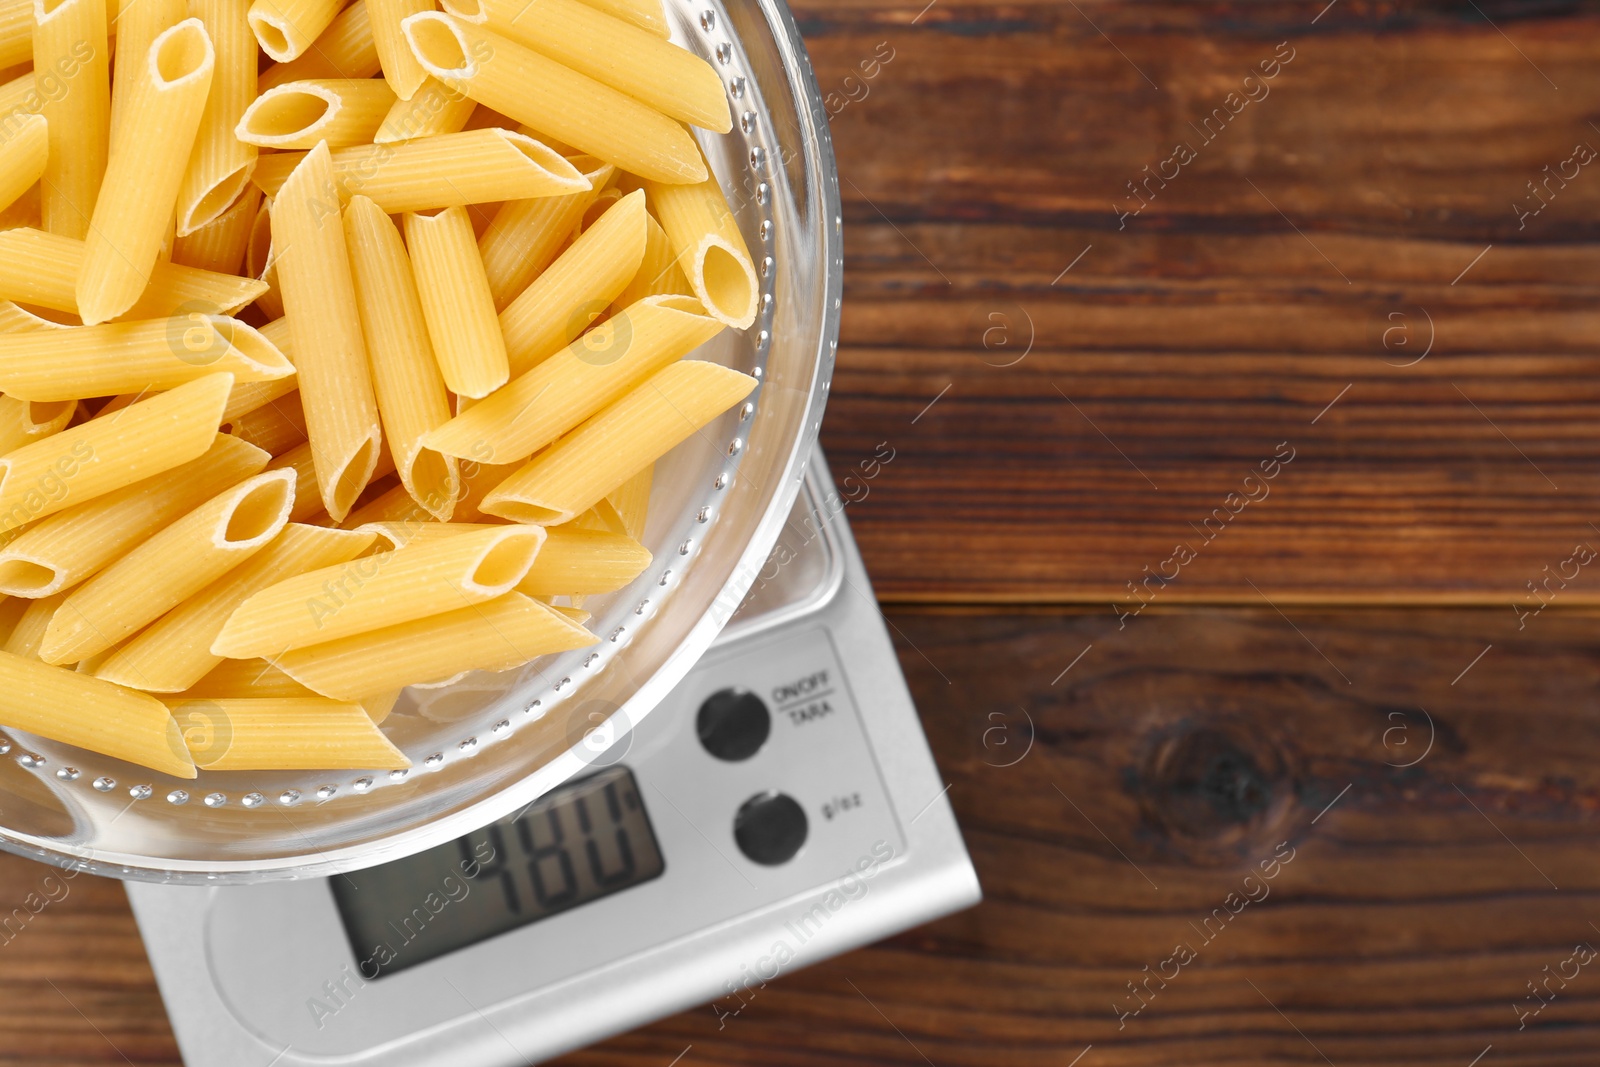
(658, 272)
(630, 502)
(645, 14)
(287, 28)
(76, 709)
(582, 562)
(572, 292)
(283, 734)
(246, 678)
(16, 33)
(325, 325)
(174, 652)
(70, 35)
(428, 577)
(399, 533)
(135, 27)
(524, 236)
(591, 372)
(111, 451)
(670, 79)
(405, 374)
(170, 567)
(400, 68)
(450, 170)
(345, 50)
(340, 111)
(307, 502)
(22, 159)
(28, 633)
(432, 109)
(456, 303)
(577, 471)
(220, 244)
(23, 421)
(504, 633)
(276, 427)
(710, 248)
(42, 269)
(149, 153)
(126, 357)
(66, 549)
(218, 169)
(553, 99)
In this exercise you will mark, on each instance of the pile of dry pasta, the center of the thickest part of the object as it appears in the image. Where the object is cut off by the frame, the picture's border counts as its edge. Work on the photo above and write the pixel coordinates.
(337, 344)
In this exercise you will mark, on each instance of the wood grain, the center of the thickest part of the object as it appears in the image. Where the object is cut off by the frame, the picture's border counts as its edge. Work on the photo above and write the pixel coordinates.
(1327, 237)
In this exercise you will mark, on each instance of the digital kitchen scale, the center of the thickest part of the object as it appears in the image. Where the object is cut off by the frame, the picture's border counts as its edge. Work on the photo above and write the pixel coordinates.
(781, 806)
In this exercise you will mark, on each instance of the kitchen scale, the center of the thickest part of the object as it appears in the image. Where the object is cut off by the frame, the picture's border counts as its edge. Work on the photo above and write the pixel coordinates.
(781, 806)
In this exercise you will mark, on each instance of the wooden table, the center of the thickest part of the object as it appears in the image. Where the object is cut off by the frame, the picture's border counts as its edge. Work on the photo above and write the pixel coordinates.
(1253, 769)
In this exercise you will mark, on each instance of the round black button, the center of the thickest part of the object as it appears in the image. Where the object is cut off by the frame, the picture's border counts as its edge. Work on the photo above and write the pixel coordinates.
(770, 828)
(733, 724)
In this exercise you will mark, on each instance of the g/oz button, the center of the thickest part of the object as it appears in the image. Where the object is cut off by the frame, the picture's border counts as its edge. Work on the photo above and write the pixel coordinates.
(770, 828)
(733, 724)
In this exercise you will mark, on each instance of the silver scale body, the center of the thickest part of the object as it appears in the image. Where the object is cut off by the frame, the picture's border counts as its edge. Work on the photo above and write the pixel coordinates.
(238, 966)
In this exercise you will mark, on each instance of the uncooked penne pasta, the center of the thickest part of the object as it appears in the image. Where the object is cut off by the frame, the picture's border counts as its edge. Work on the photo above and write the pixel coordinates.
(28, 633)
(325, 323)
(42, 269)
(433, 109)
(125, 357)
(505, 632)
(252, 396)
(345, 50)
(174, 652)
(399, 533)
(22, 421)
(456, 303)
(103, 718)
(170, 567)
(710, 248)
(405, 376)
(658, 271)
(111, 451)
(450, 170)
(577, 471)
(391, 504)
(570, 386)
(135, 27)
(577, 288)
(246, 678)
(307, 501)
(400, 68)
(283, 733)
(67, 548)
(16, 32)
(425, 578)
(670, 79)
(22, 159)
(220, 244)
(554, 99)
(275, 427)
(149, 153)
(259, 263)
(525, 235)
(286, 28)
(630, 502)
(583, 562)
(219, 168)
(69, 38)
(645, 14)
(340, 111)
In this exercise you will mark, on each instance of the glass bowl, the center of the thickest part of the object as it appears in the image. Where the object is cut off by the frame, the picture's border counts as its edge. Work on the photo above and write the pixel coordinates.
(490, 744)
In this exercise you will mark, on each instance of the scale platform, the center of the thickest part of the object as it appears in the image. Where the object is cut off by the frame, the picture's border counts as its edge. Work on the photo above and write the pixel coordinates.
(781, 806)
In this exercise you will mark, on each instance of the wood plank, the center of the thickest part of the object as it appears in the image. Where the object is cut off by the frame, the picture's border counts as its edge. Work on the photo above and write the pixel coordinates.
(1222, 318)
